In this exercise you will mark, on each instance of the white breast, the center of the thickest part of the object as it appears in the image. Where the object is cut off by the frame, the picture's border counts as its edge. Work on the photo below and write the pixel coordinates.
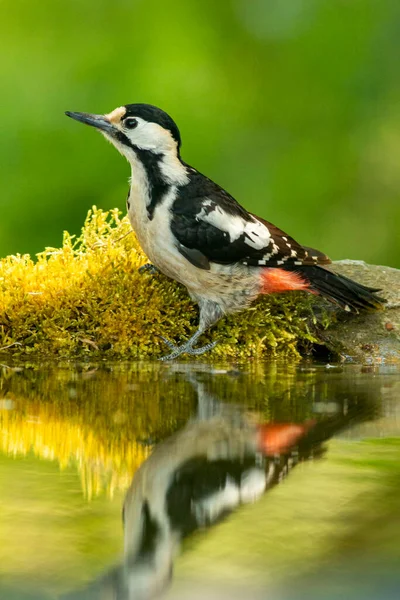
(220, 284)
(154, 235)
(161, 243)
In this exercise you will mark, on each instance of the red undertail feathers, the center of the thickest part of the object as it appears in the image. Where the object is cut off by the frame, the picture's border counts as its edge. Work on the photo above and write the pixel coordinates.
(280, 280)
(348, 294)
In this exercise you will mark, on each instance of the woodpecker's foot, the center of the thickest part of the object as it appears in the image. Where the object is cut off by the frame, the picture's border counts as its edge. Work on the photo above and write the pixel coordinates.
(186, 348)
(148, 268)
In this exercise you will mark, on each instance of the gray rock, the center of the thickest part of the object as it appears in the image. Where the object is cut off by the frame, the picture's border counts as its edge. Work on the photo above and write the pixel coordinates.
(370, 337)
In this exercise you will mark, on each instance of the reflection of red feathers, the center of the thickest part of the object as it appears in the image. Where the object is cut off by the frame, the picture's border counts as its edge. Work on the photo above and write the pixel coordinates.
(278, 438)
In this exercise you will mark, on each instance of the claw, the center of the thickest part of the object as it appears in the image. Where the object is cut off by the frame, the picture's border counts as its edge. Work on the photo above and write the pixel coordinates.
(148, 268)
(186, 348)
(168, 343)
(202, 349)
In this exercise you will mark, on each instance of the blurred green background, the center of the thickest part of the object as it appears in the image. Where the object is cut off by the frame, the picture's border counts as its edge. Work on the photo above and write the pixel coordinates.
(292, 105)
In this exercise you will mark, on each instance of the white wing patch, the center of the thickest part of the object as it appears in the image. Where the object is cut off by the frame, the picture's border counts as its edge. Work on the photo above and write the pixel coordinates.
(256, 235)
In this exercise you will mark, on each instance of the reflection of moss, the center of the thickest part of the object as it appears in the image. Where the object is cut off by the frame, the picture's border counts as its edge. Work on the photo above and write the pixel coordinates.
(100, 464)
(126, 409)
(105, 419)
(88, 298)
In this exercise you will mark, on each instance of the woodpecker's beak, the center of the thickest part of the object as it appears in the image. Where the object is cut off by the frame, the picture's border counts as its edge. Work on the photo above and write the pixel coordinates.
(99, 121)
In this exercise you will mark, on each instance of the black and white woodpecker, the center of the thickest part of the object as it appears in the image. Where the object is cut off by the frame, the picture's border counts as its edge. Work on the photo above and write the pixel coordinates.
(194, 231)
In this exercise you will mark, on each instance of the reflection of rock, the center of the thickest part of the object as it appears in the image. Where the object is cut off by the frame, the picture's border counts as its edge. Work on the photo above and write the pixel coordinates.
(368, 335)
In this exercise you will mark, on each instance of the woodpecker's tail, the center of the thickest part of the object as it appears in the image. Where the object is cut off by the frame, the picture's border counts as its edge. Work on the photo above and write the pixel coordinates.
(345, 292)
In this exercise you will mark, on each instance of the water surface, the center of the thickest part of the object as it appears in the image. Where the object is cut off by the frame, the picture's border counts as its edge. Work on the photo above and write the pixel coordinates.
(72, 437)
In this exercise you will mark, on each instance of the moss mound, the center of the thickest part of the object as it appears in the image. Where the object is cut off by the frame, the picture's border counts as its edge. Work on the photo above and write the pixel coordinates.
(88, 298)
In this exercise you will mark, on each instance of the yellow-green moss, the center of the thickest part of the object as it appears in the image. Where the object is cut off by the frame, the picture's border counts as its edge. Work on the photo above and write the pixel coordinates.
(88, 298)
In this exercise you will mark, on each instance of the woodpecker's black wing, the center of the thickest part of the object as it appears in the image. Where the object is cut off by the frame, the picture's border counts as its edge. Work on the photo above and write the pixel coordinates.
(211, 226)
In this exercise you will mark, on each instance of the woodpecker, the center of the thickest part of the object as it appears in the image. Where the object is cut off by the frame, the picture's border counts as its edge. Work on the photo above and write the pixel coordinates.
(195, 232)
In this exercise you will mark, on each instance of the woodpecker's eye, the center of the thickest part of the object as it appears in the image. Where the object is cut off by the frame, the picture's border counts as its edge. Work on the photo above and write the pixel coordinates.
(130, 123)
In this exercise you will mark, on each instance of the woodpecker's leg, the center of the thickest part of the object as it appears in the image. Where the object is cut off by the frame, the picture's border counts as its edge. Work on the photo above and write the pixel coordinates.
(149, 268)
(210, 313)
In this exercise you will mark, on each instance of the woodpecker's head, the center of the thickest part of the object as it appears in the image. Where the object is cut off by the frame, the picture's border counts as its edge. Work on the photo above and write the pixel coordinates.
(136, 127)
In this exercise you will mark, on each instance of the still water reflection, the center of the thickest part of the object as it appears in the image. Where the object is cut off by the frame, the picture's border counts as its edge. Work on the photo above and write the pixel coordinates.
(308, 454)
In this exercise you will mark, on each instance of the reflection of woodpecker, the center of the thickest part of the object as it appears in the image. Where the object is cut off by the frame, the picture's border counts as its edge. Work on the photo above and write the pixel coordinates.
(198, 234)
(192, 480)
(279, 438)
(195, 478)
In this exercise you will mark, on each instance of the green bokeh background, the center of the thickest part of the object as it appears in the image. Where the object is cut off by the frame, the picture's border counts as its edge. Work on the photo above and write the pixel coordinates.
(292, 105)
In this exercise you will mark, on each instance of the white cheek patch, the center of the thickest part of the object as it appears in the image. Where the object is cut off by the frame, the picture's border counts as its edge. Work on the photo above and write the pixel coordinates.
(154, 138)
(145, 135)
(150, 136)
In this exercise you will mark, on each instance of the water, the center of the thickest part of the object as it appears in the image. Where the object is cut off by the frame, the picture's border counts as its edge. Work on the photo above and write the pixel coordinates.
(72, 437)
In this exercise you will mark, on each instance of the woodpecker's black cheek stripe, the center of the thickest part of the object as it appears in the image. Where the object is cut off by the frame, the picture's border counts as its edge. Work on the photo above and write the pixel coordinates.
(121, 137)
(158, 186)
(151, 164)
